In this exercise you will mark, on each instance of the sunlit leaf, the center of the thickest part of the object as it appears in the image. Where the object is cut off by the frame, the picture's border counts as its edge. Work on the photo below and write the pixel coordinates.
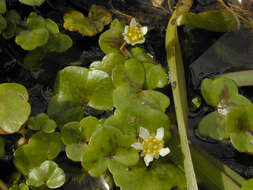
(107, 144)
(77, 86)
(131, 73)
(162, 175)
(213, 125)
(32, 2)
(47, 173)
(214, 20)
(139, 109)
(2, 6)
(89, 26)
(248, 185)
(111, 40)
(14, 105)
(156, 76)
(109, 62)
(42, 122)
(51, 26)
(41, 146)
(214, 91)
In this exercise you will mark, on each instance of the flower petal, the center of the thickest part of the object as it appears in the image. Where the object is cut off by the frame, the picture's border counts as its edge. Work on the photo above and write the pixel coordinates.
(137, 146)
(133, 22)
(160, 133)
(148, 158)
(144, 30)
(164, 151)
(126, 29)
(144, 133)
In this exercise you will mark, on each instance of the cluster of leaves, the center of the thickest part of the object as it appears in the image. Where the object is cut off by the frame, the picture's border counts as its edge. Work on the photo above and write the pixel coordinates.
(232, 118)
(122, 80)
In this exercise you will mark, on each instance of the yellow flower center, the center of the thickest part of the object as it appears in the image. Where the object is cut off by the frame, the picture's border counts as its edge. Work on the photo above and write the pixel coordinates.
(134, 34)
(151, 145)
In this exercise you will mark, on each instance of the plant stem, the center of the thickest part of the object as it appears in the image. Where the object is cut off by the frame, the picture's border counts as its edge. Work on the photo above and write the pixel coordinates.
(241, 78)
(176, 73)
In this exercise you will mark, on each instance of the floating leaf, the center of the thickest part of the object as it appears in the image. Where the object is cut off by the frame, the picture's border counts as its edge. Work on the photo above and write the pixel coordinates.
(21, 186)
(248, 185)
(32, 2)
(240, 126)
(131, 73)
(42, 122)
(10, 29)
(41, 146)
(107, 144)
(1, 147)
(76, 136)
(77, 86)
(111, 40)
(214, 91)
(29, 40)
(213, 125)
(47, 173)
(139, 109)
(58, 43)
(2, 6)
(214, 20)
(51, 26)
(89, 26)
(160, 176)
(109, 62)
(3, 23)
(15, 108)
(156, 77)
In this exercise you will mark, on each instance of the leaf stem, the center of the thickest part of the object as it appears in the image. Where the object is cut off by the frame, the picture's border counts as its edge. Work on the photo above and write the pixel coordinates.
(241, 78)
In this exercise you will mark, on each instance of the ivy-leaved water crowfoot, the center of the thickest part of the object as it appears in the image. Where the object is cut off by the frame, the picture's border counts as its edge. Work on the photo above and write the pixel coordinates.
(151, 146)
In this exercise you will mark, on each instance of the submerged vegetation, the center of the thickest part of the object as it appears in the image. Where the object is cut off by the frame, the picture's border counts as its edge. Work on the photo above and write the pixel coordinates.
(135, 145)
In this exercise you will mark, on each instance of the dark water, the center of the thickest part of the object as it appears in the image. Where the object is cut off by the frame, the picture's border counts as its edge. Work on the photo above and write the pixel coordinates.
(205, 54)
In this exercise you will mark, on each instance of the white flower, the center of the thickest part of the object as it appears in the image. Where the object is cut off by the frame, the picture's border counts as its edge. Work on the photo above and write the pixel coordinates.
(134, 33)
(151, 146)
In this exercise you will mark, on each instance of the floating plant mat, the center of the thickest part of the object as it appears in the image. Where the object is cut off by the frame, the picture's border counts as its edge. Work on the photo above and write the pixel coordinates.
(233, 51)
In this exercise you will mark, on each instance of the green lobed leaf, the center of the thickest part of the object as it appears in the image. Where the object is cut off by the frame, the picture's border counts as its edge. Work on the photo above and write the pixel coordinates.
(29, 40)
(21, 186)
(42, 122)
(77, 86)
(2, 144)
(156, 76)
(47, 173)
(89, 26)
(41, 146)
(131, 74)
(134, 110)
(214, 91)
(2, 6)
(3, 23)
(248, 185)
(14, 105)
(10, 29)
(213, 125)
(162, 175)
(76, 136)
(109, 62)
(106, 144)
(51, 26)
(214, 20)
(32, 2)
(58, 43)
(240, 126)
(111, 40)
